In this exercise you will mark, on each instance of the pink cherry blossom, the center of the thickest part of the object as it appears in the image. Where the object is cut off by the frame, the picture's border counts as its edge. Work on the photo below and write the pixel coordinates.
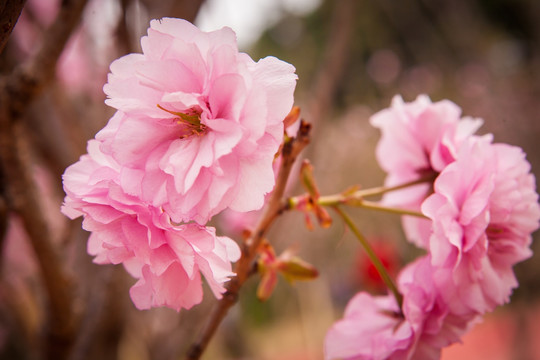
(436, 325)
(372, 328)
(375, 328)
(167, 259)
(198, 123)
(418, 139)
(484, 210)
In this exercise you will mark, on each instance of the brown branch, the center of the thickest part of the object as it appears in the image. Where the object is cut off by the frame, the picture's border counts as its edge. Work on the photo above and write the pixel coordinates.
(16, 92)
(185, 9)
(243, 268)
(4, 212)
(124, 40)
(16, 315)
(24, 199)
(10, 10)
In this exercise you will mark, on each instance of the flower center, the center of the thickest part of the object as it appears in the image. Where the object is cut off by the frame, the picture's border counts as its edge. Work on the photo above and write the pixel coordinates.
(494, 231)
(190, 122)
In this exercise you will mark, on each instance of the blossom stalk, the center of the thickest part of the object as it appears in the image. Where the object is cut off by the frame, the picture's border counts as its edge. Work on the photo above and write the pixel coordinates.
(372, 205)
(358, 195)
(372, 256)
(244, 266)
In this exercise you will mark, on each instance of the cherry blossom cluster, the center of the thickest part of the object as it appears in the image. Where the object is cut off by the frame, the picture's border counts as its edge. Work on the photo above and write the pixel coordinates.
(196, 130)
(481, 210)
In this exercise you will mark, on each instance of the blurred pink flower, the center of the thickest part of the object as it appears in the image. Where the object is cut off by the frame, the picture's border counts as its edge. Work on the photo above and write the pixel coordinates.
(198, 123)
(36, 16)
(374, 327)
(77, 68)
(18, 258)
(167, 259)
(484, 210)
(418, 139)
(236, 223)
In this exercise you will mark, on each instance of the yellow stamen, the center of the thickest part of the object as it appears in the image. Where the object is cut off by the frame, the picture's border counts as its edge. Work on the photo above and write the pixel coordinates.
(192, 122)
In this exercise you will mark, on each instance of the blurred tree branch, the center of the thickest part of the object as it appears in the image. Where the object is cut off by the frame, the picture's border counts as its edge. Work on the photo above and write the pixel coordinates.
(17, 90)
(185, 9)
(333, 65)
(9, 13)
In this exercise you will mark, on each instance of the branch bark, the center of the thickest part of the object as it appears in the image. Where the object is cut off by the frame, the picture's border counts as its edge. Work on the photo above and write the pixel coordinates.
(244, 266)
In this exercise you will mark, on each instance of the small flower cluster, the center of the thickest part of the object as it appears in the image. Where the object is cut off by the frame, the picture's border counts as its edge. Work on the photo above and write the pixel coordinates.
(481, 211)
(196, 131)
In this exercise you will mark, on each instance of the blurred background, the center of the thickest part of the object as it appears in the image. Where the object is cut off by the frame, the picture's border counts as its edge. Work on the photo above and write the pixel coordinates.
(351, 57)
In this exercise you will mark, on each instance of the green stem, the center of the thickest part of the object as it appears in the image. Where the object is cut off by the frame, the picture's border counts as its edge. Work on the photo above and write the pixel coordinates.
(373, 257)
(377, 206)
(338, 199)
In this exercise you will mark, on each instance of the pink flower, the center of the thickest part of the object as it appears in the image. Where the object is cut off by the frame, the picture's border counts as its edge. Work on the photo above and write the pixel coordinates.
(484, 210)
(167, 259)
(371, 329)
(198, 123)
(418, 139)
(436, 325)
(374, 328)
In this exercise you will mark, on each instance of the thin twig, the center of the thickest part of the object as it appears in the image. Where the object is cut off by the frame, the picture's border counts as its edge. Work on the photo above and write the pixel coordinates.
(372, 205)
(275, 207)
(359, 195)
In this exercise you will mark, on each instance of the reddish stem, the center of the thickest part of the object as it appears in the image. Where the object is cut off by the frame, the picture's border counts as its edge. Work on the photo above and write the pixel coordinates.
(243, 269)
